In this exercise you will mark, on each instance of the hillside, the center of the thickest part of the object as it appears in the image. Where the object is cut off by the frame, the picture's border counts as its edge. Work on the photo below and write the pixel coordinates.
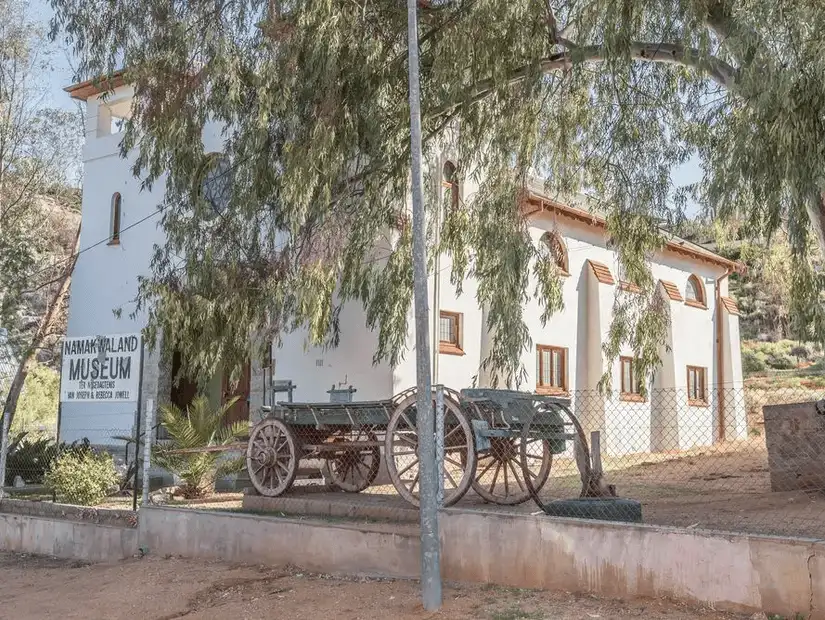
(58, 219)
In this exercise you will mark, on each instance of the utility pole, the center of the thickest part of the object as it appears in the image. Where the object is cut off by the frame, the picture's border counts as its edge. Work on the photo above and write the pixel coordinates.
(428, 484)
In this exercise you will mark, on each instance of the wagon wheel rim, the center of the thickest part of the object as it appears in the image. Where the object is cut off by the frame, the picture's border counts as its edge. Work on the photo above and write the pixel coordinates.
(401, 452)
(500, 473)
(271, 457)
(570, 421)
(355, 469)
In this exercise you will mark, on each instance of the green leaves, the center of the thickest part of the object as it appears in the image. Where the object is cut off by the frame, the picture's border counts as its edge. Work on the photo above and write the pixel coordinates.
(597, 97)
(200, 426)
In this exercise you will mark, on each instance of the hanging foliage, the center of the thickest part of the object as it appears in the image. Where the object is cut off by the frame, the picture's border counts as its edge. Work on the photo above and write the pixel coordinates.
(311, 97)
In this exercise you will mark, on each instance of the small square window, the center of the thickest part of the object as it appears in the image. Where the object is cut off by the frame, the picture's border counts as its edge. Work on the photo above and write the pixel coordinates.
(631, 380)
(697, 386)
(551, 369)
(449, 333)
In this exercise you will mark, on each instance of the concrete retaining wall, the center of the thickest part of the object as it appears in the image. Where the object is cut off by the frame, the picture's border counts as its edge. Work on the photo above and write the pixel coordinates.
(369, 549)
(736, 573)
(62, 538)
(731, 572)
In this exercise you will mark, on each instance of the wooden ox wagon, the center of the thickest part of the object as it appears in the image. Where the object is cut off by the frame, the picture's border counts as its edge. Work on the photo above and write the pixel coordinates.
(499, 442)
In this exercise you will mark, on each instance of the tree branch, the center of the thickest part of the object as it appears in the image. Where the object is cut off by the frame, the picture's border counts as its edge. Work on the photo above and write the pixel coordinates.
(742, 42)
(664, 53)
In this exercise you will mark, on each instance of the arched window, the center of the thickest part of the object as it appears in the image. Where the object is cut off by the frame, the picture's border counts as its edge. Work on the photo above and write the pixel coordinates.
(114, 228)
(695, 292)
(216, 180)
(555, 244)
(449, 181)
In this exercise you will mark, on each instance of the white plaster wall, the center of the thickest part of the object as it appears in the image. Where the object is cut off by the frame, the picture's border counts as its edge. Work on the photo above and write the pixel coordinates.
(105, 277)
(315, 370)
(582, 328)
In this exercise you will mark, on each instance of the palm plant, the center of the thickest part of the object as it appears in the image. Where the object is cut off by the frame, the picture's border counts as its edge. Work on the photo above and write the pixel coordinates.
(200, 426)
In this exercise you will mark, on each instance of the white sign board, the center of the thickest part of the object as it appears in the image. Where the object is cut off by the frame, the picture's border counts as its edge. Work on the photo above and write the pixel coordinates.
(101, 369)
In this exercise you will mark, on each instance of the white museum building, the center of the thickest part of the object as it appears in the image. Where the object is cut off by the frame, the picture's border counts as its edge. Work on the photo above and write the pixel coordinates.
(686, 405)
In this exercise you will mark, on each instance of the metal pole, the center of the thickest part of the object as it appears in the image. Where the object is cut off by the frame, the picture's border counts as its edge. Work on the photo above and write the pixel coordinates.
(430, 561)
(137, 427)
(439, 194)
(147, 450)
(4, 451)
(439, 441)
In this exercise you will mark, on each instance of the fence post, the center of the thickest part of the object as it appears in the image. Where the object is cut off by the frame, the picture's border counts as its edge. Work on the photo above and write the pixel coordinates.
(137, 425)
(439, 443)
(147, 449)
(4, 451)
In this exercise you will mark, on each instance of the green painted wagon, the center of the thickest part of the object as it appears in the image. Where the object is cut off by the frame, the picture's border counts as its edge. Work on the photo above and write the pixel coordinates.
(499, 442)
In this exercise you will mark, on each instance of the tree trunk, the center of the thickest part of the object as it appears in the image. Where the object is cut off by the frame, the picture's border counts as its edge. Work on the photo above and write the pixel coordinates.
(816, 213)
(28, 359)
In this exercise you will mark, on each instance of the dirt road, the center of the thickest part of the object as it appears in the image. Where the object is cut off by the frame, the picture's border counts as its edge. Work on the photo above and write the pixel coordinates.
(164, 589)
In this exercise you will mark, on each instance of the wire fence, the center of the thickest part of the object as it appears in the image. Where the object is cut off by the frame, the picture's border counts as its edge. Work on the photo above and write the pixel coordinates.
(741, 459)
(696, 458)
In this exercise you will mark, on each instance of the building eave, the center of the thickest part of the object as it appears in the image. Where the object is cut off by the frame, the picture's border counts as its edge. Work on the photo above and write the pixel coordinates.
(95, 86)
(534, 202)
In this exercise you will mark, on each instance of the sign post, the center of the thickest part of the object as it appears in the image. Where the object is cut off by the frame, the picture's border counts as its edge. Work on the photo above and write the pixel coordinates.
(104, 369)
(101, 369)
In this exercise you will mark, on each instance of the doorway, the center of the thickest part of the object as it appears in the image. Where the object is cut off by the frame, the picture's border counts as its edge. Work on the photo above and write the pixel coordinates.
(239, 412)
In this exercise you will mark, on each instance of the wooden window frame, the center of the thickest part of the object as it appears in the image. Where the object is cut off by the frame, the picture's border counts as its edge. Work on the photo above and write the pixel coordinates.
(703, 373)
(551, 389)
(450, 347)
(701, 302)
(626, 394)
(115, 213)
(548, 238)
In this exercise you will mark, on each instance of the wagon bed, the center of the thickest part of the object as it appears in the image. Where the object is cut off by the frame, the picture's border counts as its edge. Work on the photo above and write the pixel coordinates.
(321, 415)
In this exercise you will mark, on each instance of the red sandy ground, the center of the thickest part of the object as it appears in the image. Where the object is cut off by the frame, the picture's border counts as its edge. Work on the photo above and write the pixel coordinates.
(164, 589)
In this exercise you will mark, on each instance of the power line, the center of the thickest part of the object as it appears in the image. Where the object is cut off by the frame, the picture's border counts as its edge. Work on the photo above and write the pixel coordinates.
(87, 248)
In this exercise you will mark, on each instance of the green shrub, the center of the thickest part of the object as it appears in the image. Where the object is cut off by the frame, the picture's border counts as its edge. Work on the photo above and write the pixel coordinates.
(29, 458)
(780, 361)
(82, 476)
(753, 360)
(37, 408)
(200, 426)
(800, 352)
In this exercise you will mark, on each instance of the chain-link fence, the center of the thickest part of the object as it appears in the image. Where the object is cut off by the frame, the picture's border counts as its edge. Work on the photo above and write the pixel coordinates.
(749, 459)
(97, 468)
(696, 458)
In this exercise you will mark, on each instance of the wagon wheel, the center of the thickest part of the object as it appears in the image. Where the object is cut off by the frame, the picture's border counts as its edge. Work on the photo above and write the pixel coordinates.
(272, 457)
(354, 469)
(500, 476)
(570, 426)
(401, 451)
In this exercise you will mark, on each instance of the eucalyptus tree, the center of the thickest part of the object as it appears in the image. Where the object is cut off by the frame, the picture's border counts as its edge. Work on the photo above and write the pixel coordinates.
(39, 153)
(598, 96)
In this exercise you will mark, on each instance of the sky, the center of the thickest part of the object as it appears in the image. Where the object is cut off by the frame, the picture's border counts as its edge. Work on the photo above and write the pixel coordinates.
(61, 76)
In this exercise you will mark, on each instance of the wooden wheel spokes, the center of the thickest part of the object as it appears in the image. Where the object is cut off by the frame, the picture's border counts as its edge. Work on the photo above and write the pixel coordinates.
(272, 457)
(559, 429)
(402, 456)
(354, 469)
(500, 476)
